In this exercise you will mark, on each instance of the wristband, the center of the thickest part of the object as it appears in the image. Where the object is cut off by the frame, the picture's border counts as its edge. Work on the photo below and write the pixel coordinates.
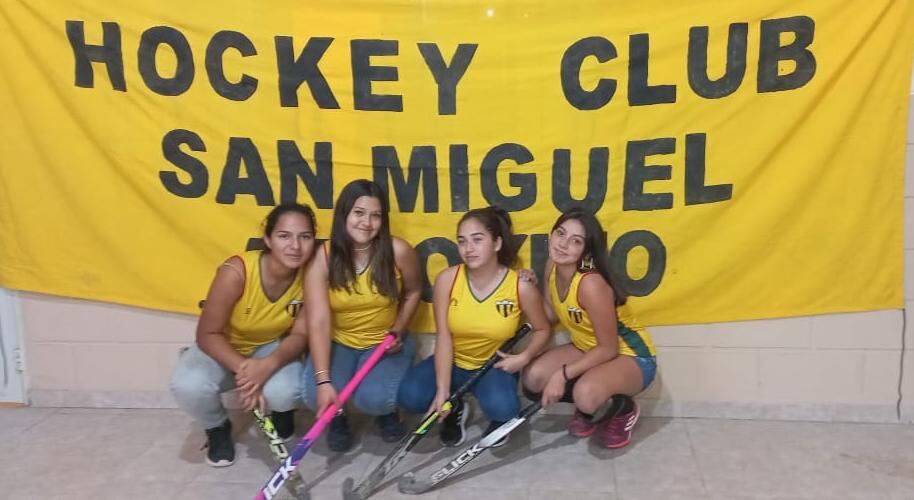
(322, 382)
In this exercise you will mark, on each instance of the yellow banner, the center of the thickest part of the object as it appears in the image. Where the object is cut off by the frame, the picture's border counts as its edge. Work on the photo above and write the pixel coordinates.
(746, 158)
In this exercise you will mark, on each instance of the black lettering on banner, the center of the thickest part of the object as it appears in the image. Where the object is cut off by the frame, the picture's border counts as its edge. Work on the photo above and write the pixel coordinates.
(215, 71)
(701, 83)
(526, 183)
(637, 173)
(539, 253)
(255, 244)
(242, 149)
(640, 93)
(696, 192)
(423, 164)
(150, 42)
(295, 70)
(363, 73)
(595, 182)
(447, 76)
(424, 250)
(656, 262)
(171, 150)
(109, 53)
(771, 53)
(293, 166)
(460, 177)
(603, 50)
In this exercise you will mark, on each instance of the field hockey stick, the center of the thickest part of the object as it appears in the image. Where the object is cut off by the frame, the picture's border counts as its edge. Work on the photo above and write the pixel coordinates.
(410, 485)
(295, 483)
(368, 485)
(277, 446)
(290, 464)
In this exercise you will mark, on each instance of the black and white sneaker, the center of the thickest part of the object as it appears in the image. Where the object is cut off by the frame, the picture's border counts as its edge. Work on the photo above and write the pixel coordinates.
(220, 447)
(492, 426)
(284, 423)
(453, 430)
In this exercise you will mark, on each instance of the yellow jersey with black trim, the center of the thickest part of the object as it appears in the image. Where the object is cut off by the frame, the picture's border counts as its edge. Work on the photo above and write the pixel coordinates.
(479, 326)
(362, 316)
(256, 320)
(633, 338)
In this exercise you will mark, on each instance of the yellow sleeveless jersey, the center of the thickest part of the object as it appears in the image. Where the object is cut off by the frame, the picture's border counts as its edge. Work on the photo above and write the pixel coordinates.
(256, 320)
(480, 326)
(362, 317)
(633, 338)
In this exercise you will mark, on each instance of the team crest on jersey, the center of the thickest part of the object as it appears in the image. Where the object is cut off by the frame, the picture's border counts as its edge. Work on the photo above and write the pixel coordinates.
(576, 314)
(504, 307)
(294, 307)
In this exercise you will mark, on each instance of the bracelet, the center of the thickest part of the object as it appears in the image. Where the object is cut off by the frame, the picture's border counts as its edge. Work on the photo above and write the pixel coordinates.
(322, 382)
(319, 372)
(565, 373)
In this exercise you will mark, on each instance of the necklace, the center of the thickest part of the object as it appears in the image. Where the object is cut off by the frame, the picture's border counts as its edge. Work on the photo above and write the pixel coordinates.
(361, 249)
(359, 268)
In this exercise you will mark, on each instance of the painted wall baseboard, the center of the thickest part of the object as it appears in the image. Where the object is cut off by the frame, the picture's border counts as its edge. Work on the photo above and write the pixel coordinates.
(649, 407)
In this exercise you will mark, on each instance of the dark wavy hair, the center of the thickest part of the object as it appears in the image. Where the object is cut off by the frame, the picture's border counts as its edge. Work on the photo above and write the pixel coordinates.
(342, 270)
(498, 223)
(594, 247)
(272, 218)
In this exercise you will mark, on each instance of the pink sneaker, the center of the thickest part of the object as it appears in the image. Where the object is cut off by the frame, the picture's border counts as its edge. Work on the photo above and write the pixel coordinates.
(580, 425)
(616, 432)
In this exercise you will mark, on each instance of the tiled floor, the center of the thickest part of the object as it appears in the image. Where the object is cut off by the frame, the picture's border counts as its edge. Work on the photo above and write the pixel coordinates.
(154, 454)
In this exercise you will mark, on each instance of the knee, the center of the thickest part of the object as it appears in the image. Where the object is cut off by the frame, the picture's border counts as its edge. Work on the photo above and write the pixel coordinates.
(281, 395)
(587, 396)
(374, 402)
(187, 387)
(535, 378)
(411, 396)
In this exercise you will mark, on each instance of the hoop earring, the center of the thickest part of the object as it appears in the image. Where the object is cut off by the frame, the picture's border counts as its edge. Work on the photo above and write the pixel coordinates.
(587, 264)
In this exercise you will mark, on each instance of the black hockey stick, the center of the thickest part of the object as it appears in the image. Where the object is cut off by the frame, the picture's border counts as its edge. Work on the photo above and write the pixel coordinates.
(410, 485)
(370, 483)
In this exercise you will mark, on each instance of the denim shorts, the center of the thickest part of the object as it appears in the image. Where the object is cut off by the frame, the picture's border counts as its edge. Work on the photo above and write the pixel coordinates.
(648, 367)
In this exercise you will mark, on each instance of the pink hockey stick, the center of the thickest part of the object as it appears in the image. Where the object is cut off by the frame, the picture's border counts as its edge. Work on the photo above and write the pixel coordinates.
(291, 463)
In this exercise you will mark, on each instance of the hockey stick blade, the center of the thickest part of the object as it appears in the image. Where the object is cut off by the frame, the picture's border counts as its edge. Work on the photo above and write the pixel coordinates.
(368, 485)
(410, 485)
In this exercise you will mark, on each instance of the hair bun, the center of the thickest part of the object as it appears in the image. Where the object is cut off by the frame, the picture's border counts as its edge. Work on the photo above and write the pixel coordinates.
(502, 214)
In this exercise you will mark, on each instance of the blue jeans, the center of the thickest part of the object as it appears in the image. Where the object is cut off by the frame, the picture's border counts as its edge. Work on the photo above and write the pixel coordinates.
(377, 394)
(198, 381)
(648, 369)
(496, 391)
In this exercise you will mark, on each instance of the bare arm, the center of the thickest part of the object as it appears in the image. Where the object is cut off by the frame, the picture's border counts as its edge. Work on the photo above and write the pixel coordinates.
(408, 264)
(224, 293)
(444, 344)
(317, 312)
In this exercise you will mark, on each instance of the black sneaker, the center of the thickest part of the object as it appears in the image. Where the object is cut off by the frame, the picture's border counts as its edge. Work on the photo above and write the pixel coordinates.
(453, 431)
(284, 423)
(339, 438)
(492, 426)
(389, 425)
(220, 448)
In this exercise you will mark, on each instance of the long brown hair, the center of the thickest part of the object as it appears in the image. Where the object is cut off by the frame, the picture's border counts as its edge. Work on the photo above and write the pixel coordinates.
(594, 247)
(382, 264)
